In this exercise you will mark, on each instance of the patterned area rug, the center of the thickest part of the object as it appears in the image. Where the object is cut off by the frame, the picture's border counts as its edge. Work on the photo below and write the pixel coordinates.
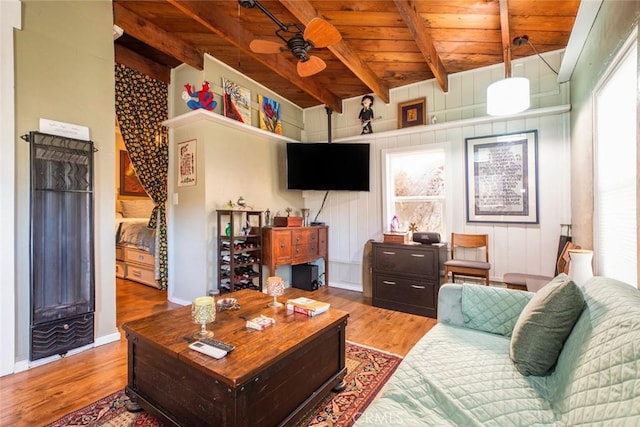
(367, 371)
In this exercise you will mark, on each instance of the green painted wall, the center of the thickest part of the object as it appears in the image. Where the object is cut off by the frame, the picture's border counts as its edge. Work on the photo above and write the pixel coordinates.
(613, 25)
(64, 71)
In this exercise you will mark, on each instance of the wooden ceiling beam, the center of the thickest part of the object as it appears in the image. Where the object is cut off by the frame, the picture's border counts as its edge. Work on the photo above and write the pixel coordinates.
(142, 64)
(232, 32)
(304, 11)
(149, 33)
(506, 37)
(423, 39)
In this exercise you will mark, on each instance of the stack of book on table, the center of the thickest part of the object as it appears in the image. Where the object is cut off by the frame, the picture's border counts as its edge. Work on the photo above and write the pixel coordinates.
(307, 306)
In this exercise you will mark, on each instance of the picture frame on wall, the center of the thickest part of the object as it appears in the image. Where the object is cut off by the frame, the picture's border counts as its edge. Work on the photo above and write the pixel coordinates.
(412, 113)
(237, 101)
(502, 178)
(129, 183)
(187, 163)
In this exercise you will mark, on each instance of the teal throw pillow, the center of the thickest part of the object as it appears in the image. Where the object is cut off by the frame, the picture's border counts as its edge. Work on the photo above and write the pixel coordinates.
(544, 325)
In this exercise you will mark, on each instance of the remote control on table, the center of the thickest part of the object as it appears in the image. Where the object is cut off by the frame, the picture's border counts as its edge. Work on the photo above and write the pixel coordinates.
(207, 349)
(218, 344)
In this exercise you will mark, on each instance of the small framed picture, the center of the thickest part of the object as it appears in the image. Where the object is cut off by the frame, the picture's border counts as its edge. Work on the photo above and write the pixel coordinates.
(129, 183)
(412, 113)
(187, 163)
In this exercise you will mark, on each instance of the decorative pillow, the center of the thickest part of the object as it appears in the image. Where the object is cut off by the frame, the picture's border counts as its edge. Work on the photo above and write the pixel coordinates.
(137, 208)
(492, 309)
(544, 325)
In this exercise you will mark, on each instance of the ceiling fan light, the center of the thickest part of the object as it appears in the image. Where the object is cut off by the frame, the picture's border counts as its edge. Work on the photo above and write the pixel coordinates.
(508, 96)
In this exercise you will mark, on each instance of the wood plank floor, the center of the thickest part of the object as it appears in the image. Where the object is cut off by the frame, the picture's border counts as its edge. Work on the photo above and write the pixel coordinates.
(44, 394)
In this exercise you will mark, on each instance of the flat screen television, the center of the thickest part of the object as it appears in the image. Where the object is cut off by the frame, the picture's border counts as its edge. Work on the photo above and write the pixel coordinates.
(327, 166)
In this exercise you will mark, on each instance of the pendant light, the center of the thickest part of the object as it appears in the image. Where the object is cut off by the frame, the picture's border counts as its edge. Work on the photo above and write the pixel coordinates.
(508, 96)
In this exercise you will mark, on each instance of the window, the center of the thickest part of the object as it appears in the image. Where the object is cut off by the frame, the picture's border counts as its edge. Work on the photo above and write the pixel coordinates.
(414, 188)
(615, 119)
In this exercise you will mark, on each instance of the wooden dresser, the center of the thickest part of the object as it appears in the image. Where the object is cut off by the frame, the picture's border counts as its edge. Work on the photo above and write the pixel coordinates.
(295, 245)
(407, 277)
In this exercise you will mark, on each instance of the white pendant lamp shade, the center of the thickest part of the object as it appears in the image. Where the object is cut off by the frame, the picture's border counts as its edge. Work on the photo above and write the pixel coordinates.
(508, 96)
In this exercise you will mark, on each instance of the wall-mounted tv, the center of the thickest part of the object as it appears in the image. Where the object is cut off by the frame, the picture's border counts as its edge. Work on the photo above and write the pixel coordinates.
(327, 166)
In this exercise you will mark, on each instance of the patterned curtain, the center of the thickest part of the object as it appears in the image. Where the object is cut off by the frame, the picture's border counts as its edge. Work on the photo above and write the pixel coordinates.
(141, 107)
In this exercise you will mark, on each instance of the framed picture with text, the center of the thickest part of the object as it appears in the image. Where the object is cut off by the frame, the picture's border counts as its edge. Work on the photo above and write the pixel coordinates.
(502, 178)
(187, 163)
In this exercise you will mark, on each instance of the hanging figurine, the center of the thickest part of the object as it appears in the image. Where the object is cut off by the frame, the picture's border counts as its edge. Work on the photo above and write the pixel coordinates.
(366, 114)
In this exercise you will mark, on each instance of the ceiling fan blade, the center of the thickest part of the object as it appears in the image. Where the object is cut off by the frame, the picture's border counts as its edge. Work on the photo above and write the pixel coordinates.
(311, 66)
(321, 33)
(265, 46)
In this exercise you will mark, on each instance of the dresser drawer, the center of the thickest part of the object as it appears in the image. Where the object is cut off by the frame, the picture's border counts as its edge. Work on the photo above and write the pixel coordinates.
(304, 253)
(140, 274)
(405, 291)
(140, 257)
(120, 269)
(119, 253)
(304, 237)
(406, 260)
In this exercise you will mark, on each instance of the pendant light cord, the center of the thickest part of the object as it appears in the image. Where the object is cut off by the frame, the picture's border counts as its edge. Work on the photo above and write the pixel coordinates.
(519, 41)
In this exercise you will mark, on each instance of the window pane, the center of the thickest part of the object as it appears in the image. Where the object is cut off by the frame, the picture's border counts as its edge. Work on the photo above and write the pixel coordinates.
(418, 174)
(427, 215)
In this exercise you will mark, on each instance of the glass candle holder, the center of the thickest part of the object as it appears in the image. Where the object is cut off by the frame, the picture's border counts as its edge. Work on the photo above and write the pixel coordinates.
(203, 311)
(275, 287)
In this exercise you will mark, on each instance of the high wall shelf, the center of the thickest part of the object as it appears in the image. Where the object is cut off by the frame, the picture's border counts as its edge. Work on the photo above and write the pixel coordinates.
(239, 250)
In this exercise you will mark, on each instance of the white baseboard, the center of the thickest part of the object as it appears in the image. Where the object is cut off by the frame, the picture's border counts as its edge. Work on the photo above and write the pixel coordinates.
(347, 286)
(107, 339)
(179, 301)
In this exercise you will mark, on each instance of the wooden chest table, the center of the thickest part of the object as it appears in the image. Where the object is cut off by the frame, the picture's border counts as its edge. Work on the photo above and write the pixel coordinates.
(271, 378)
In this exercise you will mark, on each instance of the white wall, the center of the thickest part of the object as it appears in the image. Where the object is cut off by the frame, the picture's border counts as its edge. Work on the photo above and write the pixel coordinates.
(10, 18)
(232, 161)
(460, 114)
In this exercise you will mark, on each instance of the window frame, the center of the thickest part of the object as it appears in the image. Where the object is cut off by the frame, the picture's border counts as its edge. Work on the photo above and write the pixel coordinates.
(387, 184)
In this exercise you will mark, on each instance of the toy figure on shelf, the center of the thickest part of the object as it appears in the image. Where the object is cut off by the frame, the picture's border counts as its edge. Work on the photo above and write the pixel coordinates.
(200, 99)
(366, 114)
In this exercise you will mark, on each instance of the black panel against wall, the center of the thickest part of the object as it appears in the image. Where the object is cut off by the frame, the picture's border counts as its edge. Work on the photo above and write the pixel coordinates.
(62, 255)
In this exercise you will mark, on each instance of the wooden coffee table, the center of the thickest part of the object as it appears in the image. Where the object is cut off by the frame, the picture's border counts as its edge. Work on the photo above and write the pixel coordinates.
(273, 377)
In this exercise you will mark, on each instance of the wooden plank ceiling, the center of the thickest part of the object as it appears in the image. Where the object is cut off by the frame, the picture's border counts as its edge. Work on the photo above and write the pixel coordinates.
(385, 44)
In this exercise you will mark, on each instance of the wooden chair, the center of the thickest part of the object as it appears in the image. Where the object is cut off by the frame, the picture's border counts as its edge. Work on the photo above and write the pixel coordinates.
(468, 267)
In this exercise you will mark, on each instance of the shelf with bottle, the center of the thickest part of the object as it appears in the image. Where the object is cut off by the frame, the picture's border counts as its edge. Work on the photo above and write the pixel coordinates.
(239, 250)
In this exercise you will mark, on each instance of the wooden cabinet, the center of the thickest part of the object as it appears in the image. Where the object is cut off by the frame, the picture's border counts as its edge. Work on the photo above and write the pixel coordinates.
(407, 277)
(239, 250)
(295, 245)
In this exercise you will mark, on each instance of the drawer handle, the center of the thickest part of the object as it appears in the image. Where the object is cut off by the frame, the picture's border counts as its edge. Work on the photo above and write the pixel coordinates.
(417, 287)
(137, 273)
(141, 257)
(388, 282)
(418, 255)
(388, 253)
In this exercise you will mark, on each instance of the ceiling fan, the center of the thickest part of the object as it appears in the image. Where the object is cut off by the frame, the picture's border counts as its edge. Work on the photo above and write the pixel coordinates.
(318, 33)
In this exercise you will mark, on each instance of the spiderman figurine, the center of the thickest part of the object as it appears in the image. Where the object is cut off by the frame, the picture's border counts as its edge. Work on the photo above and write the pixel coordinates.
(200, 99)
